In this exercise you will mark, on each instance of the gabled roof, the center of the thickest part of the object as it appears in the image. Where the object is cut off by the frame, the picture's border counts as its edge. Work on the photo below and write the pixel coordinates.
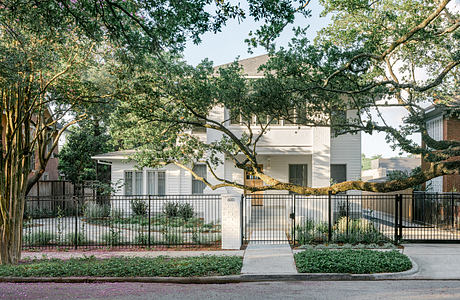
(116, 155)
(250, 65)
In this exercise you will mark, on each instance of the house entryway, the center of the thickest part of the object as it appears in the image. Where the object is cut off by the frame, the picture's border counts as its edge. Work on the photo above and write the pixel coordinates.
(257, 198)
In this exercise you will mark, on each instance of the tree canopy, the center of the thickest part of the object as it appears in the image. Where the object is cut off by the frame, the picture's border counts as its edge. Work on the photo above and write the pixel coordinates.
(374, 54)
(58, 60)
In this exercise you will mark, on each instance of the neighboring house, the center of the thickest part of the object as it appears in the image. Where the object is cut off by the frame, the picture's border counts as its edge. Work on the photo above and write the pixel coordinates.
(380, 167)
(304, 155)
(442, 125)
(51, 170)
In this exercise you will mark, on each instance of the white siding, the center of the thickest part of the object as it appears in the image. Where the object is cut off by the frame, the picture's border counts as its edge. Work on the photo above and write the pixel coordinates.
(346, 149)
(321, 172)
(177, 180)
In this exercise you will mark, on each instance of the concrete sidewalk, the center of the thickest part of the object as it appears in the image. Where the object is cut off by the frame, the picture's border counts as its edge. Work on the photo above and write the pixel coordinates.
(435, 261)
(262, 258)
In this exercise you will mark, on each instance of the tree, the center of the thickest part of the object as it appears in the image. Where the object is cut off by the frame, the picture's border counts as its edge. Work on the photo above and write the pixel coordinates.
(84, 141)
(48, 49)
(368, 58)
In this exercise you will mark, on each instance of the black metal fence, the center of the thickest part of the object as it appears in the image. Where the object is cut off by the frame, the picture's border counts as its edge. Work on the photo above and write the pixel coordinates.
(345, 218)
(122, 221)
(434, 217)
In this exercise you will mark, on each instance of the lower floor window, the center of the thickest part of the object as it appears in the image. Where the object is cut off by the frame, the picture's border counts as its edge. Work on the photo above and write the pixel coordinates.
(198, 186)
(298, 174)
(156, 183)
(134, 183)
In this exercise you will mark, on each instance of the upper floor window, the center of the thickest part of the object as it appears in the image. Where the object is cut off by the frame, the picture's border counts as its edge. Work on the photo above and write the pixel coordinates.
(434, 128)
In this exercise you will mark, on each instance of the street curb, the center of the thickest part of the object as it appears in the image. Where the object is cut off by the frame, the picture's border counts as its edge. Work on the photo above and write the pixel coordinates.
(227, 279)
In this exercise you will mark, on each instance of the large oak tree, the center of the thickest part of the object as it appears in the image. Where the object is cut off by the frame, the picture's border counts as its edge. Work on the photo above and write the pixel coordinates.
(374, 55)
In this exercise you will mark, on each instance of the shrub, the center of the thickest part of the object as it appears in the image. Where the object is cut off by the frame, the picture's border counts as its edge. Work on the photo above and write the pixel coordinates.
(359, 231)
(310, 232)
(171, 209)
(185, 211)
(139, 207)
(81, 238)
(116, 214)
(351, 261)
(141, 239)
(205, 239)
(172, 238)
(127, 267)
(112, 238)
(94, 210)
(39, 238)
(175, 222)
(354, 225)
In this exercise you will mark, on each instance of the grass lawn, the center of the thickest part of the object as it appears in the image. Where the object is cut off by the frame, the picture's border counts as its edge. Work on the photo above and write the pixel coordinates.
(127, 267)
(351, 261)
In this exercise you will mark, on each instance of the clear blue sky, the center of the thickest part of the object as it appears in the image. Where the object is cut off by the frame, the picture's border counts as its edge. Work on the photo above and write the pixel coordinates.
(227, 45)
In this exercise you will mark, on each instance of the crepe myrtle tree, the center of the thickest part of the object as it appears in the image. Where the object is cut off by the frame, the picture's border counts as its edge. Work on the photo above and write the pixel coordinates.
(56, 59)
(370, 57)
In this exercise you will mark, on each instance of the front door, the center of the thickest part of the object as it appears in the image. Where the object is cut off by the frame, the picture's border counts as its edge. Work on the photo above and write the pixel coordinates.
(254, 181)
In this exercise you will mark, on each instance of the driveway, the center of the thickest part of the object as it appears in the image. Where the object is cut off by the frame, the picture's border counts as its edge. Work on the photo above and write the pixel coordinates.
(435, 261)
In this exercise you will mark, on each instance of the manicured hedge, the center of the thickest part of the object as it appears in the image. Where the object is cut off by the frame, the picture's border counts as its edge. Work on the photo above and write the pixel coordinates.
(351, 261)
(127, 267)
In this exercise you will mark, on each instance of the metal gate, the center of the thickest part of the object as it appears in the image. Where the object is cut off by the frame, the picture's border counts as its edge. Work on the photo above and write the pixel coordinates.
(268, 218)
(345, 218)
(428, 217)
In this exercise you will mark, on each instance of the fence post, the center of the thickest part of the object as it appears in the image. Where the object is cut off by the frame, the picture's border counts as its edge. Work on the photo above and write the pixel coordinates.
(348, 212)
(400, 216)
(150, 230)
(329, 216)
(76, 222)
(242, 224)
(452, 209)
(396, 219)
(293, 228)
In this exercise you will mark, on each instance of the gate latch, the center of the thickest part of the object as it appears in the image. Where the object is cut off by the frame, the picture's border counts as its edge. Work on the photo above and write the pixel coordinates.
(292, 215)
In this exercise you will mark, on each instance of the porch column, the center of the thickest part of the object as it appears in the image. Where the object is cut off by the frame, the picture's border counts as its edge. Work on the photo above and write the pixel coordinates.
(321, 170)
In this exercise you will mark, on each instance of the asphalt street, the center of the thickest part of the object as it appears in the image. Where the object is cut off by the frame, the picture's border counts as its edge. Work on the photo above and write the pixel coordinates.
(402, 289)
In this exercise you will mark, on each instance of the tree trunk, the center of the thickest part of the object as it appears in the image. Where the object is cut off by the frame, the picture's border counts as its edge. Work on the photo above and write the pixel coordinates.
(16, 149)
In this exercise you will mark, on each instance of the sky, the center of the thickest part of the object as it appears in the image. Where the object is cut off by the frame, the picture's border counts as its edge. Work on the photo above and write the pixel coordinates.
(229, 44)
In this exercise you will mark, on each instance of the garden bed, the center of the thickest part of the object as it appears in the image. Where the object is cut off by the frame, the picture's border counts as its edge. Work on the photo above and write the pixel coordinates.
(351, 261)
(126, 267)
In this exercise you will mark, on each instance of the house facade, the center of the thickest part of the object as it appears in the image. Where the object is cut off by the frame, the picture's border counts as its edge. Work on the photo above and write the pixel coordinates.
(442, 125)
(308, 156)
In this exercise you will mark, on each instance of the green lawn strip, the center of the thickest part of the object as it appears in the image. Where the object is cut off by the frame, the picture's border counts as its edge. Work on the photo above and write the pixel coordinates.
(351, 261)
(127, 267)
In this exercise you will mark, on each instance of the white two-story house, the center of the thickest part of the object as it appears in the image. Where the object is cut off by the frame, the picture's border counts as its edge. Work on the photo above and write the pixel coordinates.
(304, 155)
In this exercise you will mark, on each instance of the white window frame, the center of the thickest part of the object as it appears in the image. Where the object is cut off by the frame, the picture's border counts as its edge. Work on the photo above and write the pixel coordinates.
(193, 178)
(155, 179)
(133, 182)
